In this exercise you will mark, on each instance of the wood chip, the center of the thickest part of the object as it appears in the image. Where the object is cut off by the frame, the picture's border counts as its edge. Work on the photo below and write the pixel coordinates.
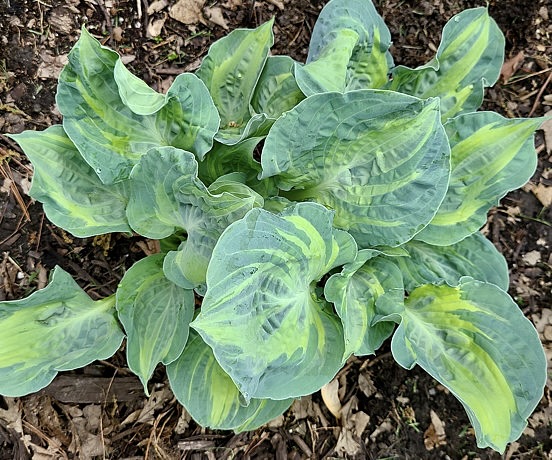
(84, 389)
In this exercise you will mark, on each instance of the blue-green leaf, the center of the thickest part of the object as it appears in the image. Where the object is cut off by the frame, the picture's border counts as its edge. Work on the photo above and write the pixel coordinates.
(112, 137)
(490, 156)
(166, 196)
(329, 72)
(210, 395)
(231, 70)
(74, 197)
(276, 91)
(474, 256)
(475, 340)
(355, 292)
(261, 314)
(379, 159)
(58, 328)
(468, 60)
(349, 49)
(155, 314)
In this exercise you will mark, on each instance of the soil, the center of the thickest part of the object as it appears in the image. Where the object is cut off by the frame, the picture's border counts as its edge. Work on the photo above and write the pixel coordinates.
(101, 411)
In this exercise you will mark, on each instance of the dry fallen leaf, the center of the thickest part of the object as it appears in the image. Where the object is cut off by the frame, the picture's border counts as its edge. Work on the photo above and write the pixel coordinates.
(330, 397)
(155, 26)
(188, 11)
(157, 6)
(542, 192)
(532, 258)
(232, 4)
(384, 427)
(215, 16)
(511, 65)
(354, 424)
(366, 384)
(435, 434)
(50, 66)
(277, 3)
(547, 129)
(303, 408)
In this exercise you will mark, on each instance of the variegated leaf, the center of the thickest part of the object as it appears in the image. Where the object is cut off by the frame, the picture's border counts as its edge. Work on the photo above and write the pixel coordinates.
(468, 60)
(490, 156)
(474, 256)
(74, 197)
(100, 120)
(349, 49)
(155, 314)
(379, 159)
(57, 328)
(476, 341)
(276, 91)
(166, 196)
(231, 70)
(356, 291)
(268, 328)
(210, 395)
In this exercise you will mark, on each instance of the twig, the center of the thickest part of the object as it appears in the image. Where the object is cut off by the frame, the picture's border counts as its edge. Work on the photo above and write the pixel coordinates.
(107, 20)
(39, 232)
(537, 99)
(13, 187)
(525, 77)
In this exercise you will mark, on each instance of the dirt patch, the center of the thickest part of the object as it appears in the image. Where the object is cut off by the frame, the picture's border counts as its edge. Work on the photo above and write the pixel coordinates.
(391, 413)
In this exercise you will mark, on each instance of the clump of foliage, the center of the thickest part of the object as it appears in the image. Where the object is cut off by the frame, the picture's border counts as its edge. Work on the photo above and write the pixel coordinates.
(360, 222)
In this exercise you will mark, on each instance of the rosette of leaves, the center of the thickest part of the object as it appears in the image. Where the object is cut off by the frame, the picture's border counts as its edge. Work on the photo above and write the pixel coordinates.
(359, 223)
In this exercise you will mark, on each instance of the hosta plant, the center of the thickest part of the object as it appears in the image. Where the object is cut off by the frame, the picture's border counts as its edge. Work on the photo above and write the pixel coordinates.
(305, 212)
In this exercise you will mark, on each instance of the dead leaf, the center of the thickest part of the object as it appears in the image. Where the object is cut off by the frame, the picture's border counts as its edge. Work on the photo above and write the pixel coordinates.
(353, 426)
(347, 444)
(511, 65)
(384, 427)
(215, 16)
(277, 3)
(188, 11)
(303, 408)
(146, 415)
(366, 384)
(61, 19)
(232, 4)
(50, 65)
(277, 422)
(435, 434)
(183, 422)
(157, 6)
(330, 397)
(118, 34)
(542, 192)
(532, 258)
(155, 26)
(547, 129)
(542, 320)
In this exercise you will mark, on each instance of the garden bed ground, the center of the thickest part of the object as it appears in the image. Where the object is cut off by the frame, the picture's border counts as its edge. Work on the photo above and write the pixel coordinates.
(387, 412)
